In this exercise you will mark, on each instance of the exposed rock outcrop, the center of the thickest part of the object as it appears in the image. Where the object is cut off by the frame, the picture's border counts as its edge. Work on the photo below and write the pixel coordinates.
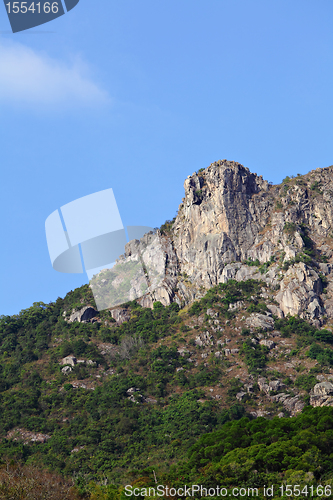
(68, 360)
(263, 321)
(83, 315)
(232, 224)
(322, 394)
(120, 315)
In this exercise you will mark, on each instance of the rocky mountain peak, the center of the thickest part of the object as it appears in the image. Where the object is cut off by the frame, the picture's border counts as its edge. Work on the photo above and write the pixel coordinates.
(233, 224)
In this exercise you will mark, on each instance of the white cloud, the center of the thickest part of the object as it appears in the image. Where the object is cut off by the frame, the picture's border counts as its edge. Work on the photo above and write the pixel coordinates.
(29, 77)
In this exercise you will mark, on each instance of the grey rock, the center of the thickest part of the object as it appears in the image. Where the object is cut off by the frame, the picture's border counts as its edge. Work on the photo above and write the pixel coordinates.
(237, 305)
(90, 362)
(261, 382)
(241, 395)
(66, 369)
(299, 292)
(68, 360)
(229, 215)
(183, 352)
(268, 343)
(276, 385)
(322, 394)
(325, 268)
(323, 389)
(132, 398)
(204, 339)
(275, 310)
(279, 397)
(212, 313)
(293, 405)
(84, 315)
(262, 413)
(132, 390)
(263, 321)
(120, 315)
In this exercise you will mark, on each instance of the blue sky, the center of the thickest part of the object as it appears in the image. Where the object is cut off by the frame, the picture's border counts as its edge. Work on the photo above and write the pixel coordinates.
(136, 95)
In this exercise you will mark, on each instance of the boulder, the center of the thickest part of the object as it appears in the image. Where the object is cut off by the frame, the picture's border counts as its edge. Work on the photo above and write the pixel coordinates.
(268, 343)
(132, 390)
(241, 395)
(69, 360)
(257, 320)
(276, 385)
(212, 313)
(120, 315)
(183, 352)
(237, 305)
(204, 339)
(275, 310)
(90, 362)
(323, 389)
(66, 369)
(293, 405)
(261, 382)
(322, 394)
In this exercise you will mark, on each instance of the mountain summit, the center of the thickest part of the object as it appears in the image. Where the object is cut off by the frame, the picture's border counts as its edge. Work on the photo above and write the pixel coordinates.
(233, 224)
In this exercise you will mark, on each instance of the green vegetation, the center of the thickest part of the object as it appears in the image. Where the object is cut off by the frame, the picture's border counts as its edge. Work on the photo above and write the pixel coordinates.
(251, 262)
(290, 228)
(225, 294)
(263, 268)
(166, 228)
(106, 429)
(255, 356)
(101, 430)
(263, 452)
(315, 187)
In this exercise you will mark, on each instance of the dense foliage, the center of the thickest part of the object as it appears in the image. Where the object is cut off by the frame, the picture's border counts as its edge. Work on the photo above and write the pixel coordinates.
(102, 431)
(294, 451)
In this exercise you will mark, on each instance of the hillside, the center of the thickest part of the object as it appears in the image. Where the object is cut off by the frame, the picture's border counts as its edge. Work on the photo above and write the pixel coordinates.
(240, 328)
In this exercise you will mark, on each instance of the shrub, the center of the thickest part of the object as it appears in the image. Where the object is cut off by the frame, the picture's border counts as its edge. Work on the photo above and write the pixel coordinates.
(290, 228)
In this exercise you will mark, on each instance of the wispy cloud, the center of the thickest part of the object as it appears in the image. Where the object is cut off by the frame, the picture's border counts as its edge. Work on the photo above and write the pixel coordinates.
(33, 78)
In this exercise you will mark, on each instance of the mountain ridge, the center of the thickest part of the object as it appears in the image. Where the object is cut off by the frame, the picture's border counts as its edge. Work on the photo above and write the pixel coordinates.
(225, 339)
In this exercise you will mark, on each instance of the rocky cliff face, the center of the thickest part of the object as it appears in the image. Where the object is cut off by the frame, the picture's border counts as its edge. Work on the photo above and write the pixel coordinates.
(232, 224)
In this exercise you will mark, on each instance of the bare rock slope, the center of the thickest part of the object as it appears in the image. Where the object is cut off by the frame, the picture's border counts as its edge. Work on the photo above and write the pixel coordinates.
(232, 224)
